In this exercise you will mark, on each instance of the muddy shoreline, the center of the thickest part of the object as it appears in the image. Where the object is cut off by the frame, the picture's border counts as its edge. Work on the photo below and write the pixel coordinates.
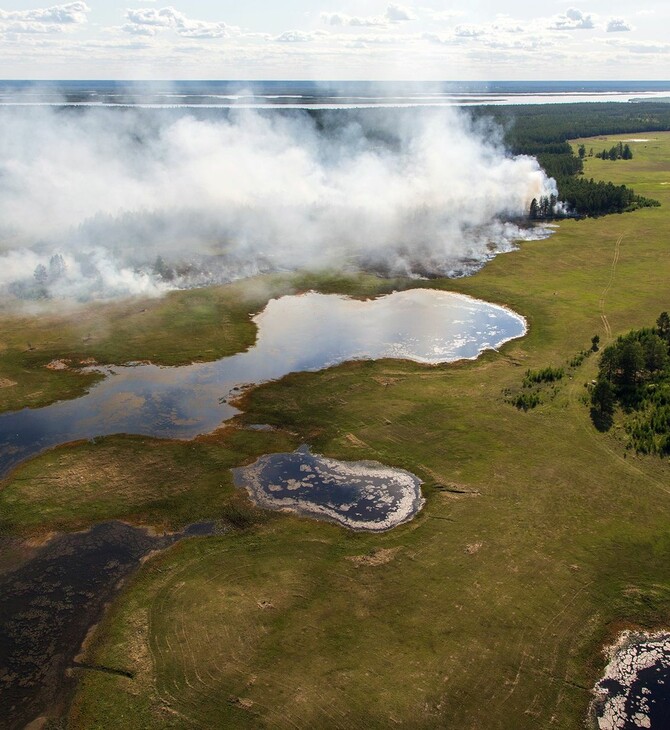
(49, 601)
(634, 691)
(362, 496)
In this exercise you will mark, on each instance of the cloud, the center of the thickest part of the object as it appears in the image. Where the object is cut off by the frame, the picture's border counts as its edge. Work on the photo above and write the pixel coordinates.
(138, 29)
(149, 21)
(295, 36)
(163, 18)
(53, 19)
(618, 25)
(639, 47)
(298, 36)
(24, 27)
(398, 13)
(394, 14)
(468, 31)
(573, 19)
(441, 16)
(57, 14)
(340, 19)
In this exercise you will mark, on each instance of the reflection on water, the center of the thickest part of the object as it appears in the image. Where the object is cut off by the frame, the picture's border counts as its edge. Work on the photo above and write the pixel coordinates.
(361, 495)
(295, 333)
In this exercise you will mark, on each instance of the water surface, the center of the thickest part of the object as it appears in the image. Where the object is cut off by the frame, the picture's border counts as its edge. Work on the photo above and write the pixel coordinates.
(635, 689)
(295, 333)
(360, 495)
(322, 94)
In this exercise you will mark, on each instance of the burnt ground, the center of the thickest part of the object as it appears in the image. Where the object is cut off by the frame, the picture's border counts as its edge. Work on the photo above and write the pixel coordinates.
(47, 606)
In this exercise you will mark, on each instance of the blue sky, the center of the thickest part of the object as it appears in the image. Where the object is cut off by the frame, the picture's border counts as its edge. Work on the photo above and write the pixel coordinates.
(336, 39)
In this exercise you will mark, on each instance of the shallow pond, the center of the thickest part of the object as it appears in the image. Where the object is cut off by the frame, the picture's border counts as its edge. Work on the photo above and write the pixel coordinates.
(635, 689)
(295, 333)
(361, 495)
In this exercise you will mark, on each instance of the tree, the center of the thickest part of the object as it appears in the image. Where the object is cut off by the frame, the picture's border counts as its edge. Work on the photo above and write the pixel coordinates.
(162, 270)
(655, 352)
(631, 362)
(57, 266)
(41, 274)
(582, 151)
(603, 397)
(595, 342)
(608, 362)
(663, 326)
(533, 210)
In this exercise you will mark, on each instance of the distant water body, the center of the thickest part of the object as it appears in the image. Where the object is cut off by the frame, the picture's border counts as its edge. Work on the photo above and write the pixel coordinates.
(323, 95)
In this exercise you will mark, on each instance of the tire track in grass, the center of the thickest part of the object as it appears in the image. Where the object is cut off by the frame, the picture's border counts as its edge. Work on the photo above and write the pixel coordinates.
(606, 290)
(574, 397)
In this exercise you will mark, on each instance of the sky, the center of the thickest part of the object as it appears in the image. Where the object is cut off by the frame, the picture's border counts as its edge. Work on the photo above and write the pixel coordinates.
(335, 39)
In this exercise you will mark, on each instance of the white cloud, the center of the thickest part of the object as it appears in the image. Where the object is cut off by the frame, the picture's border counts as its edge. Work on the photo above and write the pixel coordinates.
(147, 21)
(295, 36)
(340, 19)
(394, 14)
(165, 17)
(57, 14)
(136, 29)
(43, 20)
(618, 25)
(639, 47)
(573, 19)
(468, 31)
(397, 13)
(441, 16)
(23, 27)
(435, 38)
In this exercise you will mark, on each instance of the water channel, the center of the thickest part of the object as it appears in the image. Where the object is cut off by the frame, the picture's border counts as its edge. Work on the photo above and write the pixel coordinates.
(295, 333)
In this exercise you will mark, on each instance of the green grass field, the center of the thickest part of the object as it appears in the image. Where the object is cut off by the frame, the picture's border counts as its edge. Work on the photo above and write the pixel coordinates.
(489, 610)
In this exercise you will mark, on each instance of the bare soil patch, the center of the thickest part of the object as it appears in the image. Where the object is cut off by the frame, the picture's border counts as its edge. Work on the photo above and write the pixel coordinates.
(374, 558)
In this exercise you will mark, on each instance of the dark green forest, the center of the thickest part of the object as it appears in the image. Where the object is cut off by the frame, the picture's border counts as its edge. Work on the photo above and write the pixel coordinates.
(634, 375)
(543, 131)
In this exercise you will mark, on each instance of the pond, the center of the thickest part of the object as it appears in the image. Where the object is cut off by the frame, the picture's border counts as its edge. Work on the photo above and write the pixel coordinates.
(295, 333)
(635, 689)
(360, 495)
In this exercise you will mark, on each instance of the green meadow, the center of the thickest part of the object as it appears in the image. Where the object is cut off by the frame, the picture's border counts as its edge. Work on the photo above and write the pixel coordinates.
(541, 538)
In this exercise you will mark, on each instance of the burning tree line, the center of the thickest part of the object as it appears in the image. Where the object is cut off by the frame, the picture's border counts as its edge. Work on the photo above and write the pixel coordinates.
(544, 131)
(544, 208)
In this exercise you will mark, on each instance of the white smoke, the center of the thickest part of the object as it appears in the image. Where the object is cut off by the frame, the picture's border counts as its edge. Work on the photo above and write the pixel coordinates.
(138, 202)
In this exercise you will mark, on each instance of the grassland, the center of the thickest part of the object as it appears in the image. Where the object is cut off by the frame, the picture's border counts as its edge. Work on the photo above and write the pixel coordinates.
(540, 538)
(183, 327)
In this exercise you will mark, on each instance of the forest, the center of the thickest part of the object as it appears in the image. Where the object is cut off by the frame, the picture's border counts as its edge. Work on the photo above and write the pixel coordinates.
(634, 374)
(544, 131)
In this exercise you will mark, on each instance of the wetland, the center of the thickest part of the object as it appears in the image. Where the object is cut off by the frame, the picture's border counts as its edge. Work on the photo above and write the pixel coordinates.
(495, 608)
(295, 333)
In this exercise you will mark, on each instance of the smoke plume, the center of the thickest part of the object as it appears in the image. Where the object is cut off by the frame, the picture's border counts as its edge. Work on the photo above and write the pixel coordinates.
(108, 202)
